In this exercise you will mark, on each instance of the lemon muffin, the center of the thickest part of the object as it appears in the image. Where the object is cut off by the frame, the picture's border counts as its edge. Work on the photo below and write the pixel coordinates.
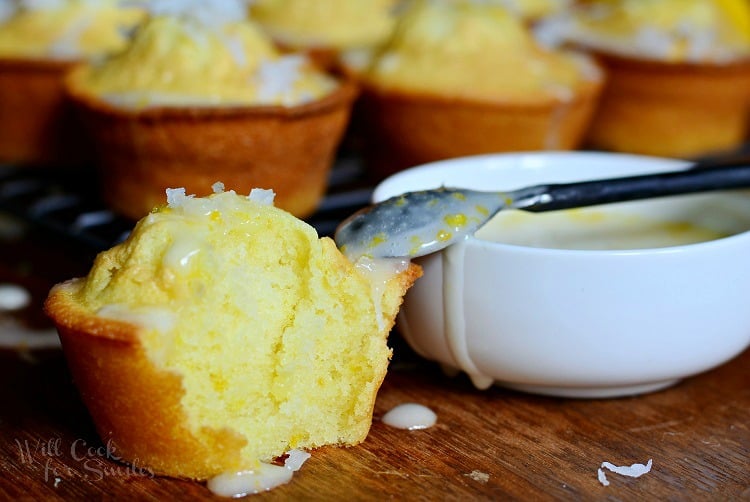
(224, 333)
(201, 94)
(461, 78)
(533, 10)
(679, 73)
(39, 42)
(327, 29)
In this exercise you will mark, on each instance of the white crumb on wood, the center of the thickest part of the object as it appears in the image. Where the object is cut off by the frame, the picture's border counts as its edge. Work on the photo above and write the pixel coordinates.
(479, 476)
(634, 470)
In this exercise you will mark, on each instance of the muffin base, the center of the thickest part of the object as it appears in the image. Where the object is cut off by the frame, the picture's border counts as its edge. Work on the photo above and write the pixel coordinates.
(135, 406)
(407, 129)
(141, 153)
(37, 124)
(671, 109)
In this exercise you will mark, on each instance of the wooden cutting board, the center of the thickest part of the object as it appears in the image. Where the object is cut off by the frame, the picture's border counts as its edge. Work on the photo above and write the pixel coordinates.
(487, 445)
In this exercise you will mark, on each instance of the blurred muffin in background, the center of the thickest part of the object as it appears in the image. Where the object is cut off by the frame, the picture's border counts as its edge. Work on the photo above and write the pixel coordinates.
(679, 72)
(327, 29)
(201, 95)
(462, 78)
(39, 43)
(534, 10)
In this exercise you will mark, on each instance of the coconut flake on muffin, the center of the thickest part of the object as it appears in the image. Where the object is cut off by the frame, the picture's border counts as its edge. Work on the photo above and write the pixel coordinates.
(664, 30)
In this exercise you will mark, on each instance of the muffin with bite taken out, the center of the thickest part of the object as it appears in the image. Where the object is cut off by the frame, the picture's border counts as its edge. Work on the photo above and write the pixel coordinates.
(223, 334)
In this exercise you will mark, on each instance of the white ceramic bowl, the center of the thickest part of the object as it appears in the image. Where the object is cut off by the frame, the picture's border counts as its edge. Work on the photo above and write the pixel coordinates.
(580, 323)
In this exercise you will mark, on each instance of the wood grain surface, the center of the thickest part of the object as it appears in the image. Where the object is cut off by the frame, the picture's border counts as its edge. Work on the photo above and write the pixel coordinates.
(487, 445)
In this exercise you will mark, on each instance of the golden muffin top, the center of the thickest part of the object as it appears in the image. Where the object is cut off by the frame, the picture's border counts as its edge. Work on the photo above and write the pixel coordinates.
(667, 30)
(477, 51)
(529, 10)
(338, 24)
(202, 55)
(65, 29)
(176, 246)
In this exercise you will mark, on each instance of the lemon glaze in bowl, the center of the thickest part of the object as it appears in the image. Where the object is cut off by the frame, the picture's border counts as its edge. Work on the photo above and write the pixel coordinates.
(588, 323)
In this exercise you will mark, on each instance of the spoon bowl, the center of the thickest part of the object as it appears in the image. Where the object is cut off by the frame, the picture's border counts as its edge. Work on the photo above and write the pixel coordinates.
(417, 223)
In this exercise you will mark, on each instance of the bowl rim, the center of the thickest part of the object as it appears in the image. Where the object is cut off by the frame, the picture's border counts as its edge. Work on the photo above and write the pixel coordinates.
(531, 156)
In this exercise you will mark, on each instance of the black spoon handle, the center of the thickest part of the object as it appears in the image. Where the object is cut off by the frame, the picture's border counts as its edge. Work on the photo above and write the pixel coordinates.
(589, 193)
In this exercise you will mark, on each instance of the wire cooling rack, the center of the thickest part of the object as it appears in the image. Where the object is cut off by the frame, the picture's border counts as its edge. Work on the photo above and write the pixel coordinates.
(70, 206)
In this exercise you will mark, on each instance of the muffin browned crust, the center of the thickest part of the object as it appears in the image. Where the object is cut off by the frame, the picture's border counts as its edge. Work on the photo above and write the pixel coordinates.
(37, 125)
(287, 149)
(672, 109)
(136, 407)
(406, 129)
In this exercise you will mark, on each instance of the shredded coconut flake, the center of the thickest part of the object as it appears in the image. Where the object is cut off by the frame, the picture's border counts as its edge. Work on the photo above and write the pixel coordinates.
(277, 78)
(481, 477)
(40, 4)
(213, 14)
(262, 196)
(235, 49)
(553, 31)
(634, 470)
(602, 477)
(69, 44)
(176, 197)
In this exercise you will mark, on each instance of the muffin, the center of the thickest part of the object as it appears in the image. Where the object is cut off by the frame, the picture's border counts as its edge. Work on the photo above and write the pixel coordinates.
(463, 78)
(224, 333)
(534, 10)
(39, 43)
(327, 29)
(203, 96)
(679, 73)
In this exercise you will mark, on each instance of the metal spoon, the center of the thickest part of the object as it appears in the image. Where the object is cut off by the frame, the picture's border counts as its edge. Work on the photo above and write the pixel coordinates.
(418, 223)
